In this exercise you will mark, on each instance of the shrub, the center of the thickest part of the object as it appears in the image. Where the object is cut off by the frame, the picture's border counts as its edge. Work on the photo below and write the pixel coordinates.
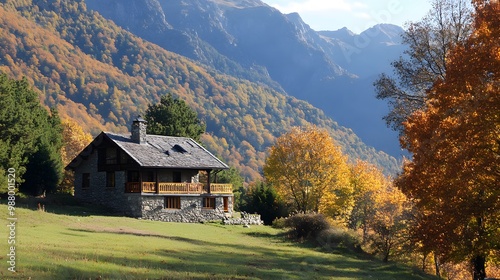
(306, 226)
(336, 237)
(279, 223)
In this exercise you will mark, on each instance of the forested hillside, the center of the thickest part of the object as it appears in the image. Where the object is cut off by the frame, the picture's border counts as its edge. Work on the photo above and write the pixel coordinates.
(103, 76)
(253, 41)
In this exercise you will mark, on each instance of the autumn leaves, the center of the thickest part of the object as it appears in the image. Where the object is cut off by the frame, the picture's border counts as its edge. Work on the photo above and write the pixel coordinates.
(310, 172)
(447, 199)
(453, 177)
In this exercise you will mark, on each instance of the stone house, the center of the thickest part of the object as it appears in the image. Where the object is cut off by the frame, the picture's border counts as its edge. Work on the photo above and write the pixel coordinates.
(152, 177)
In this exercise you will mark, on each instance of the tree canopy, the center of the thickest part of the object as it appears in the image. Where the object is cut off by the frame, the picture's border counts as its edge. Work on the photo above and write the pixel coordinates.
(308, 169)
(173, 117)
(454, 176)
(30, 138)
(429, 41)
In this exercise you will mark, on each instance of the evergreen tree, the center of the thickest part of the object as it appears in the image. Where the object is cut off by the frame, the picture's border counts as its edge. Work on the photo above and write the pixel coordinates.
(45, 168)
(17, 140)
(30, 138)
(174, 117)
(264, 200)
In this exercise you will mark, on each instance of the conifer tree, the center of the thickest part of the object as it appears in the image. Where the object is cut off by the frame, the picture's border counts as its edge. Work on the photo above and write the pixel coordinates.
(173, 117)
(30, 138)
(45, 168)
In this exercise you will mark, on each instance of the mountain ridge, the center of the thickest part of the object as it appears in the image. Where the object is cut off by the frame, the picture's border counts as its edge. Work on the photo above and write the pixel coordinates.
(104, 76)
(251, 40)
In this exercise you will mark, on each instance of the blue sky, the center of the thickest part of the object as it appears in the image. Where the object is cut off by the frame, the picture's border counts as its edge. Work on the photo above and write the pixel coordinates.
(357, 15)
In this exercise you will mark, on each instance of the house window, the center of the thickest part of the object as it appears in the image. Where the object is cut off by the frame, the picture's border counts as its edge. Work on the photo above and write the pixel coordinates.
(173, 202)
(226, 204)
(110, 179)
(177, 177)
(209, 202)
(85, 180)
(111, 156)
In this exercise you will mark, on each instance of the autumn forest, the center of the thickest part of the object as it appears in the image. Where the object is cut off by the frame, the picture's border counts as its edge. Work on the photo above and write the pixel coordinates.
(67, 73)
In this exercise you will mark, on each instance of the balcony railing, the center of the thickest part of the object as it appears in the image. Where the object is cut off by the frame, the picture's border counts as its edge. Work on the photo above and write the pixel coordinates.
(221, 188)
(180, 188)
(177, 188)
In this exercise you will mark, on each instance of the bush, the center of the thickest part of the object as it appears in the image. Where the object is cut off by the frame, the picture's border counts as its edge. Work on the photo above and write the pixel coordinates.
(279, 223)
(306, 226)
(335, 237)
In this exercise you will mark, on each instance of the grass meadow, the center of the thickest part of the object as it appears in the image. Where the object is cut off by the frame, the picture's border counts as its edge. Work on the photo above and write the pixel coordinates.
(74, 242)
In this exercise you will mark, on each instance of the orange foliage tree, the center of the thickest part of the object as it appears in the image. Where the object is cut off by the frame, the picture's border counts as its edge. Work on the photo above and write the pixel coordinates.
(454, 176)
(309, 170)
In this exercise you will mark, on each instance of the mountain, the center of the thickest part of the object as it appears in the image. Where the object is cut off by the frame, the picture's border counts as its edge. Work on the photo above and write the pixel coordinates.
(103, 76)
(332, 70)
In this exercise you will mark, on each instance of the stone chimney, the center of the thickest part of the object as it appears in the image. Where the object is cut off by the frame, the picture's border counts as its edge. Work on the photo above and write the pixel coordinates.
(139, 130)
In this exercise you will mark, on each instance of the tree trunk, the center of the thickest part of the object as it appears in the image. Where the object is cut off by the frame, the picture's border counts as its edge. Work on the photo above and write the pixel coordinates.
(436, 264)
(424, 261)
(386, 257)
(478, 268)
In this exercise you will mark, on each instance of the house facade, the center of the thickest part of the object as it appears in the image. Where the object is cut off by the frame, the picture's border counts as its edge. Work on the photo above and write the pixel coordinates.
(152, 177)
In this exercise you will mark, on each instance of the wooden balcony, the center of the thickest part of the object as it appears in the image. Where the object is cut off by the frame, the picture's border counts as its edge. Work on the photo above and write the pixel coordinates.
(221, 188)
(180, 188)
(177, 188)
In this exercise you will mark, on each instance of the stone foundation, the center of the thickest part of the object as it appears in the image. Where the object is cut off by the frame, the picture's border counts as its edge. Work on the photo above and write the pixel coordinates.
(192, 210)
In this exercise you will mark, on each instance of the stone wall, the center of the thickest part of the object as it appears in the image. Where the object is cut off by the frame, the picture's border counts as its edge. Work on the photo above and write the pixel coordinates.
(246, 219)
(192, 211)
(98, 193)
(142, 206)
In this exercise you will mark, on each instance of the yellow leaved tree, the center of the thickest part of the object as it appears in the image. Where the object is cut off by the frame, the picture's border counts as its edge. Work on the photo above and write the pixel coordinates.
(309, 170)
(74, 141)
(366, 180)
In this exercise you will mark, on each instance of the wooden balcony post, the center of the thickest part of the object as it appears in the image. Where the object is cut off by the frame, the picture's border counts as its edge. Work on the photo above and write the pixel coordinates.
(157, 185)
(140, 181)
(208, 180)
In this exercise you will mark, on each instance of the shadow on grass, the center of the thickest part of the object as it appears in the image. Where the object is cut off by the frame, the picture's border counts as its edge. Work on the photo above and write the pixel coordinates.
(201, 259)
(146, 234)
(369, 262)
(63, 204)
(277, 237)
(216, 264)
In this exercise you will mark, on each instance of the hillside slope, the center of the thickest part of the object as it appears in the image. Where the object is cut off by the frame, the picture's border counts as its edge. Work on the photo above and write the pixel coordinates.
(251, 40)
(79, 244)
(103, 76)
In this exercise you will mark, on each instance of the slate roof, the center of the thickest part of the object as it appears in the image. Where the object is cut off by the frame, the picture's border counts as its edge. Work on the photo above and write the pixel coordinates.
(162, 152)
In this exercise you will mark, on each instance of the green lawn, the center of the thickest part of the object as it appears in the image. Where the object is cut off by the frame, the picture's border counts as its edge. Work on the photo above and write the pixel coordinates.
(80, 245)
